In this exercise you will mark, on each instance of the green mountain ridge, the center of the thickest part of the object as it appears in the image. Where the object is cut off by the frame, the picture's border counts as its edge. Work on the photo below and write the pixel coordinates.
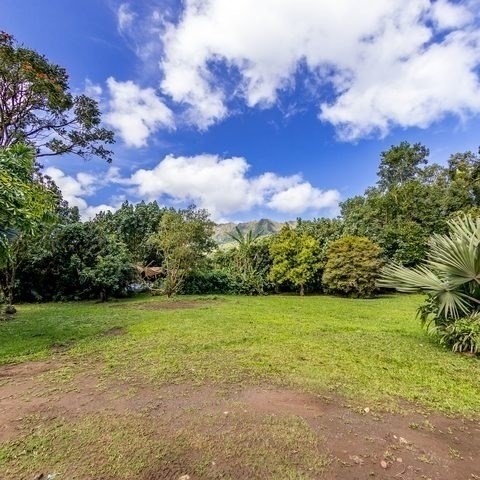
(260, 227)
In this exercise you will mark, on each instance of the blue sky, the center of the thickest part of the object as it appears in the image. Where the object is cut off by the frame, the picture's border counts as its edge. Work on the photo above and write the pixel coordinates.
(271, 108)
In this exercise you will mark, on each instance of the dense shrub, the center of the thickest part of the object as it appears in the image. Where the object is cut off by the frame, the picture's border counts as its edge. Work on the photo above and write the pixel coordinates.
(353, 265)
(209, 281)
(112, 273)
(74, 261)
(449, 275)
(246, 264)
(463, 335)
(183, 239)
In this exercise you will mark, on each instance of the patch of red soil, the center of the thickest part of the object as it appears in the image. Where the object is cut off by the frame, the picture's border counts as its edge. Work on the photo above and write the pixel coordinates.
(168, 304)
(27, 369)
(376, 445)
(360, 443)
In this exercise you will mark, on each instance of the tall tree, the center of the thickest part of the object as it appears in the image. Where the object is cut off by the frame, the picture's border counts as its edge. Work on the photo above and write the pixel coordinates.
(296, 257)
(400, 164)
(412, 200)
(25, 205)
(37, 108)
(134, 224)
(183, 239)
(463, 182)
(249, 261)
(353, 267)
(74, 260)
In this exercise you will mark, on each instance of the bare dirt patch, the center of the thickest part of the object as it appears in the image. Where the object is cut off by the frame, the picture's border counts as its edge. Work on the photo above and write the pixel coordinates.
(212, 432)
(60, 347)
(27, 369)
(366, 444)
(115, 332)
(168, 304)
(175, 305)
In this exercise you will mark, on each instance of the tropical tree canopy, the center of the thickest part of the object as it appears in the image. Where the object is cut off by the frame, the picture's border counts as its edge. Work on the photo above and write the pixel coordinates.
(25, 202)
(37, 108)
(450, 275)
(353, 265)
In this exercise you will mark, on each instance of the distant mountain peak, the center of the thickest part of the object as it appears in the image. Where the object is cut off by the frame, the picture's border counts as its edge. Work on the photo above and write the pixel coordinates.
(261, 228)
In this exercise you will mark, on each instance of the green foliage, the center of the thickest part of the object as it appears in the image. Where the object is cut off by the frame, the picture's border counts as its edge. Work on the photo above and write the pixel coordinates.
(210, 281)
(463, 182)
(183, 239)
(462, 335)
(295, 256)
(249, 262)
(112, 272)
(412, 200)
(134, 224)
(325, 231)
(400, 220)
(450, 275)
(38, 109)
(246, 266)
(25, 203)
(401, 164)
(353, 266)
(73, 261)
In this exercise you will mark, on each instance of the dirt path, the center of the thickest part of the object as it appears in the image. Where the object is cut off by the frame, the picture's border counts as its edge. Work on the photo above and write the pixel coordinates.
(193, 432)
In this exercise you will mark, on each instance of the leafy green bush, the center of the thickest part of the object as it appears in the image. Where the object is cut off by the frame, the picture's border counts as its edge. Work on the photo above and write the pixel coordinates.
(463, 335)
(74, 261)
(184, 238)
(207, 282)
(353, 266)
(295, 258)
(112, 272)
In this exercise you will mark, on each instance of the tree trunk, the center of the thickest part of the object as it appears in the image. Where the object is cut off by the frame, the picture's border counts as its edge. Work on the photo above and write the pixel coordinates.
(10, 272)
(302, 290)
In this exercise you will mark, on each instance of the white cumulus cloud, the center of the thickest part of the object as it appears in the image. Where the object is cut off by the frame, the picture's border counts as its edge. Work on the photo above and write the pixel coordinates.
(451, 15)
(222, 186)
(393, 62)
(74, 188)
(136, 112)
(295, 199)
(93, 90)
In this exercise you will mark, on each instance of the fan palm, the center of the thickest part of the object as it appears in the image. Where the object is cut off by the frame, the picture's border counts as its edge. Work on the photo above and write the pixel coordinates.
(450, 274)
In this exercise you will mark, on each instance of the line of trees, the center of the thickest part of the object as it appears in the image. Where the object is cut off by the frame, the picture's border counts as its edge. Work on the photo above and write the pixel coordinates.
(47, 253)
(59, 257)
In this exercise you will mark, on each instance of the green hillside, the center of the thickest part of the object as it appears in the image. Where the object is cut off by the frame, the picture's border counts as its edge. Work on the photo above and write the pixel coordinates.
(259, 227)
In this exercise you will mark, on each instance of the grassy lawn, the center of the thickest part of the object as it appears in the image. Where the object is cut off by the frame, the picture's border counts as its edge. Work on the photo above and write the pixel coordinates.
(233, 387)
(367, 350)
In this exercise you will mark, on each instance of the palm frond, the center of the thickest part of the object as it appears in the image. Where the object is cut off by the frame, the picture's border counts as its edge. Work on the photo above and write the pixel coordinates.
(456, 257)
(451, 273)
(453, 303)
(411, 280)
